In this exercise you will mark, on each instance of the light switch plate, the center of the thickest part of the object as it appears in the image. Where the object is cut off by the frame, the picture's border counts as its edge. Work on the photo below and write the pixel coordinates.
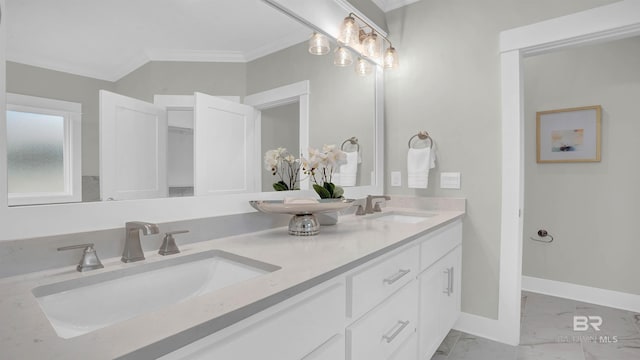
(396, 178)
(450, 180)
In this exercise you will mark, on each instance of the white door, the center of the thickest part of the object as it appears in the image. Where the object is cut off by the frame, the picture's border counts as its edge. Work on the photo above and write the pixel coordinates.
(224, 146)
(133, 148)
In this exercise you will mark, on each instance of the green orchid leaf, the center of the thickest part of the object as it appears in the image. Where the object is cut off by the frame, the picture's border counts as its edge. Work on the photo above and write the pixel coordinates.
(280, 186)
(330, 188)
(322, 192)
(338, 192)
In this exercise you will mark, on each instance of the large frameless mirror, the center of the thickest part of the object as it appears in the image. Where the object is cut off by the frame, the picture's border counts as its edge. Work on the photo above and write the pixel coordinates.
(125, 100)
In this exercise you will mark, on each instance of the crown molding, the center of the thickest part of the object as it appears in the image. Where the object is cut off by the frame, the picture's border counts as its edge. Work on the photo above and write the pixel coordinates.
(61, 66)
(275, 46)
(388, 5)
(195, 55)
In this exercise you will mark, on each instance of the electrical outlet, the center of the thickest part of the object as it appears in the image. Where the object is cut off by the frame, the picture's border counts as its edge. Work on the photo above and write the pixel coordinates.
(396, 178)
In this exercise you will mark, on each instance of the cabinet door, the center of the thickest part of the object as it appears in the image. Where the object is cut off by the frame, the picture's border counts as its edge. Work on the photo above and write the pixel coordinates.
(439, 301)
(431, 290)
(450, 304)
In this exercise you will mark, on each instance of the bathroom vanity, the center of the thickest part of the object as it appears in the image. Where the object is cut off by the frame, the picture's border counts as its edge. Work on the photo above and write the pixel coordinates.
(381, 286)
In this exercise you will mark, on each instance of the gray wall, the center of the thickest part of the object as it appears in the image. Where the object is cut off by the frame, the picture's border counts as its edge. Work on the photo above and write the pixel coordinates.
(35, 81)
(448, 83)
(280, 128)
(341, 102)
(183, 78)
(590, 208)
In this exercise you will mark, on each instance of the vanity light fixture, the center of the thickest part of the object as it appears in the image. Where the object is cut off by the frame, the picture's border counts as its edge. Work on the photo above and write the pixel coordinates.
(319, 44)
(363, 67)
(349, 32)
(342, 57)
(356, 35)
(372, 46)
(390, 60)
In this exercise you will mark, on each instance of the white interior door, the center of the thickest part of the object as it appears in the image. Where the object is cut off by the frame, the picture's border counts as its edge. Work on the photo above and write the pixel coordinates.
(224, 146)
(133, 148)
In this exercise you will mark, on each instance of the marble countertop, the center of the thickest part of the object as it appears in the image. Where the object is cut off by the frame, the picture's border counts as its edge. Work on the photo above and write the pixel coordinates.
(305, 262)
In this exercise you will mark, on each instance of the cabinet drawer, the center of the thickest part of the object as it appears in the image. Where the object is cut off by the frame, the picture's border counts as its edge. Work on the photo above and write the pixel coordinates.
(435, 245)
(302, 328)
(368, 286)
(408, 350)
(379, 334)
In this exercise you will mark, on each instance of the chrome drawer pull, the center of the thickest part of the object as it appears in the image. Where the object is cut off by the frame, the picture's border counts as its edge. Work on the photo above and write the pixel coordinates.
(448, 289)
(396, 277)
(396, 332)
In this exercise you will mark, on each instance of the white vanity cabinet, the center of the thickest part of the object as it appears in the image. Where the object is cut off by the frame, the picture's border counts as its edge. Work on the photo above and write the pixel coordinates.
(439, 287)
(309, 326)
(399, 306)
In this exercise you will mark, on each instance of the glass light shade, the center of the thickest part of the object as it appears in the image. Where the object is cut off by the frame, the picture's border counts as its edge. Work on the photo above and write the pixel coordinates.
(390, 59)
(342, 57)
(363, 67)
(349, 31)
(372, 46)
(319, 44)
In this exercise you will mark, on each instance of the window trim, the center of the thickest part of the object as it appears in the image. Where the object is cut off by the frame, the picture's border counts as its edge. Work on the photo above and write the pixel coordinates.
(72, 152)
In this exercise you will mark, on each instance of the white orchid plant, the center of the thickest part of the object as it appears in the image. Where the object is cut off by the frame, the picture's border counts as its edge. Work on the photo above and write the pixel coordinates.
(284, 165)
(320, 167)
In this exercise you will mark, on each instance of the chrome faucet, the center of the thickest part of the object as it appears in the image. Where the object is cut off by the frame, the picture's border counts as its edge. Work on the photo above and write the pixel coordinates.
(132, 248)
(369, 208)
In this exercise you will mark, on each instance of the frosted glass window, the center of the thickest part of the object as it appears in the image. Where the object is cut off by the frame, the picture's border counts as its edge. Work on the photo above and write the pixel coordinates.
(44, 160)
(35, 149)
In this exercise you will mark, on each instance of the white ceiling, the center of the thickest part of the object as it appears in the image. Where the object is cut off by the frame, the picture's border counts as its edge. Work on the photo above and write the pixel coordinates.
(107, 39)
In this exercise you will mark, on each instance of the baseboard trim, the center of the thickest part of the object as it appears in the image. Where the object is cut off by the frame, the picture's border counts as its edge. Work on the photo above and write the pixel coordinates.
(483, 327)
(610, 298)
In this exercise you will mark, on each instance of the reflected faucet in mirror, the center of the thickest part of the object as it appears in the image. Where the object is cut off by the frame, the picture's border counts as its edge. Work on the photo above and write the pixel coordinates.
(132, 247)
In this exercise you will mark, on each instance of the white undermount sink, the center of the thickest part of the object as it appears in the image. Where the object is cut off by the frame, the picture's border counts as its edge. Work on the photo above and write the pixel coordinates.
(80, 306)
(402, 217)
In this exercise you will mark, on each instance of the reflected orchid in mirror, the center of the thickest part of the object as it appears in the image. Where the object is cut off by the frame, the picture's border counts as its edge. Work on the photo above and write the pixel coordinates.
(284, 165)
(320, 167)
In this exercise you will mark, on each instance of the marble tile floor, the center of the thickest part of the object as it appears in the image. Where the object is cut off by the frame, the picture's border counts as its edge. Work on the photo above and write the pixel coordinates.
(547, 334)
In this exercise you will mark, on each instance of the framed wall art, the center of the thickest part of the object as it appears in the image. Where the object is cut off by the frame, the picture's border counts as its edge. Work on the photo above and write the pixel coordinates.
(569, 135)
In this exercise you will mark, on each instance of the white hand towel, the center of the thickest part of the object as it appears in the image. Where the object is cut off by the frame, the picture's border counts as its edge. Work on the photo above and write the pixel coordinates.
(419, 161)
(349, 171)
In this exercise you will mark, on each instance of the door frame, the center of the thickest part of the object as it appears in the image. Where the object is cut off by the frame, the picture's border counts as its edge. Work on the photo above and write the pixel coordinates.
(611, 22)
(283, 95)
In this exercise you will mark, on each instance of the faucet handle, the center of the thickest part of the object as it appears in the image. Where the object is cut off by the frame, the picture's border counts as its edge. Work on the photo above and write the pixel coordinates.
(169, 246)
(89, 261)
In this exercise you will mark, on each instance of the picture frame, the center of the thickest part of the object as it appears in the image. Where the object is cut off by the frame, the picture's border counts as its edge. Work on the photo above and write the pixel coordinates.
(569, 135)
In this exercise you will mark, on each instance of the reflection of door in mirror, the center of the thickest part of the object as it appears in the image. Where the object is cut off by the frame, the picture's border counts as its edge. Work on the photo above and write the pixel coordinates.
(133, 148)
(180, 145)
(279, 128)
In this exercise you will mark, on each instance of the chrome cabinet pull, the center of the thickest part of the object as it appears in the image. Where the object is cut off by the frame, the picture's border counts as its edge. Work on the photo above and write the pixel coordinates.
(396, 276)
(451, 280)
(395, 331)
(447, 290)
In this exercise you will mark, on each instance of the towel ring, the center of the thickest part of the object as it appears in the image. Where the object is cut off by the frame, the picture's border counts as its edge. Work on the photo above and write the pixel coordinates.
(353, 141)
(422, 135)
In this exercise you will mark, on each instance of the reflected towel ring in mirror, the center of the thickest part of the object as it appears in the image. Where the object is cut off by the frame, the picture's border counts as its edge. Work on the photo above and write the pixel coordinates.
(422, 135)
(353, 141)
